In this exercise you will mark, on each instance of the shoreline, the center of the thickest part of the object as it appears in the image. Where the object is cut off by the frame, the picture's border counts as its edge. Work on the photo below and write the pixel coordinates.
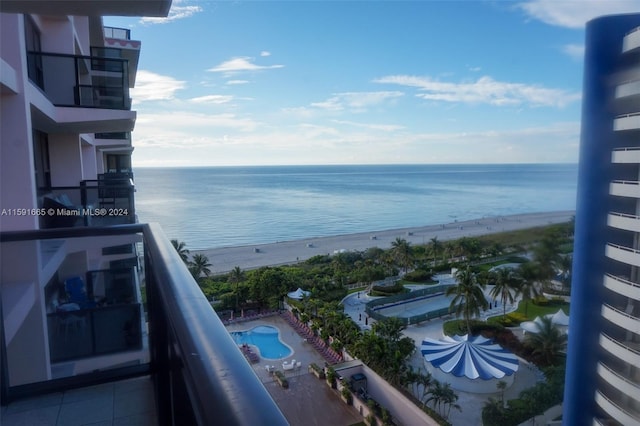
(224, 259)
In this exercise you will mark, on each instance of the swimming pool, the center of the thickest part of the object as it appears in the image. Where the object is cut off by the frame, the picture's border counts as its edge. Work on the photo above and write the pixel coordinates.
(265, 338)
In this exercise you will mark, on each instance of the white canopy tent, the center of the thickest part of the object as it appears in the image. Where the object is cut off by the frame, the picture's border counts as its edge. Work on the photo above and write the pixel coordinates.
(298, 294)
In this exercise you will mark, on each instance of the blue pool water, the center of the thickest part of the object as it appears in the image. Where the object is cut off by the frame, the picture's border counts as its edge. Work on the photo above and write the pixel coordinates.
(266, 339)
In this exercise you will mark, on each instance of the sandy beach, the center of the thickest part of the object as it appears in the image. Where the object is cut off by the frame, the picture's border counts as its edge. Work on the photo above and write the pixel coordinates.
(225, 259)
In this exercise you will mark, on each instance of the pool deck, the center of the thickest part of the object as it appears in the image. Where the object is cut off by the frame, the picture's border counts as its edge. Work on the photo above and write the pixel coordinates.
(308, 400)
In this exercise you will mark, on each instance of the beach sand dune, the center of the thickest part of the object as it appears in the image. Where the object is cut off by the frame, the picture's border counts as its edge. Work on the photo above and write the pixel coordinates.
(246, 257)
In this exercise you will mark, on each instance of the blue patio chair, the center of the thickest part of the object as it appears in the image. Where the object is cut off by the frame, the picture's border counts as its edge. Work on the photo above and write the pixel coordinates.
(77, 293)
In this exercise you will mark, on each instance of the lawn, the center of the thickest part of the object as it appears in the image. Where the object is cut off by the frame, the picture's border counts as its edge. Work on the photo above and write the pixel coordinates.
(534, 311)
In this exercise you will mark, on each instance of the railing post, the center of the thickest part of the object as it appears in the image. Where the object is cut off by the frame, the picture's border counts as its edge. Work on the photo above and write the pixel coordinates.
(83, 201)
(158, 346)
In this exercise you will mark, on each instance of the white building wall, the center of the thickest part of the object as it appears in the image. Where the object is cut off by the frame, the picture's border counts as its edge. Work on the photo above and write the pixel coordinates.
(81, 30)
(89, 166)
(66, 159)
(59, 35)
(17, 176)
(28, 346)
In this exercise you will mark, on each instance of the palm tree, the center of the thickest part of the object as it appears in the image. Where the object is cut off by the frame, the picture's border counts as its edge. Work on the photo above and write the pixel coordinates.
(565, 264)
(450, 397)
(548, 342)
(468, 296)
(436, 248)
(402, 253)
(236, 276)
(200, 265)
(503, 287)
(425, 381)
(502, 386)
(410, 379)
(182, 250)
(526, 279)
(441, 394)
(547, 255)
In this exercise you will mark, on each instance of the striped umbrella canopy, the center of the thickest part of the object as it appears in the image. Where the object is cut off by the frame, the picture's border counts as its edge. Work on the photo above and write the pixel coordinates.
(475, 357)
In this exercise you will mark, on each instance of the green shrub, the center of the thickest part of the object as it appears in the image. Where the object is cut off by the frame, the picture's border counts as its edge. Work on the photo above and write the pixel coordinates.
(541, 301)
(319, 372)
(459, 327)
(505, 321)
(418, 276)
(282, 379)
(388, 290)
(516, 317)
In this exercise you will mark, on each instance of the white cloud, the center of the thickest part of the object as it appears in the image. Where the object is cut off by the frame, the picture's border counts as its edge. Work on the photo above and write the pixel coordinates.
(265, 53)
(225, 139)
(155, 87)
(176, 12)
(575, 13)
(236, 82)
(212, 99)
(243, 63)
(186, 121)
(484, 90)
(371, 126)
(356, 100)
(575, 51)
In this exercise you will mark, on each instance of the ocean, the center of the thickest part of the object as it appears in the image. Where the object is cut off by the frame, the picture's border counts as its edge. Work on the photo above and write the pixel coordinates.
(212, 207)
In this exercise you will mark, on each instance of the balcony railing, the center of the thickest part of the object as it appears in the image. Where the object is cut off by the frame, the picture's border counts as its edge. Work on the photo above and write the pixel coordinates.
(200, 375)
(87, 333)
(119, 33)
(117, 135)
(81, 81)
(103, 202)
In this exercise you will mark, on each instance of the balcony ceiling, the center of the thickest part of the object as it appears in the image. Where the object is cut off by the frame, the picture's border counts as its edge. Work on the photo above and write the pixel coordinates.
(88, 7)
(84, 120)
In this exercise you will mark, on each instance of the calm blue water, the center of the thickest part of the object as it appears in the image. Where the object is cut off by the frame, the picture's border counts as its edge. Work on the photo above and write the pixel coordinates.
(230, 206)
(266, 339)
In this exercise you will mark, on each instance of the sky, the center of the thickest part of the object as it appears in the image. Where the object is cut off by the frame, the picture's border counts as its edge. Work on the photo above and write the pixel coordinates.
(227, 83)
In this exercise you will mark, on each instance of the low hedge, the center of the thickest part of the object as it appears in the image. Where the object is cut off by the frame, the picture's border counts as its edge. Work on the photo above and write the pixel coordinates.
(281, 379)
(418, 276)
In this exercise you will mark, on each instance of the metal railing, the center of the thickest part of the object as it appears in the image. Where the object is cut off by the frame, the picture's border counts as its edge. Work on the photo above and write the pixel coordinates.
(98, 202)
(622, 280)
(113, 135)
(200, 375)
(118, 33)
(81, 81)
(95, 331)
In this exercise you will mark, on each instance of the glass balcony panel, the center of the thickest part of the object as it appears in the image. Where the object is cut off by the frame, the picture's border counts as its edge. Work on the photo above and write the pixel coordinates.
(81, 81)
(117, 328)
(199, 372)
(70, 335)
(118, 33)
(104, 202)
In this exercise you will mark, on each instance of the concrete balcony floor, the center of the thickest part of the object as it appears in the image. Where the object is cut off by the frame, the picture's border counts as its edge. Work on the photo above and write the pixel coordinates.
(128, 402)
